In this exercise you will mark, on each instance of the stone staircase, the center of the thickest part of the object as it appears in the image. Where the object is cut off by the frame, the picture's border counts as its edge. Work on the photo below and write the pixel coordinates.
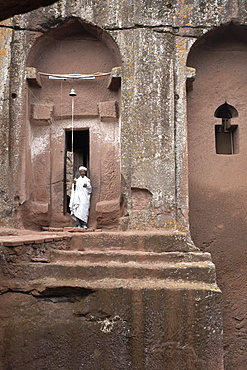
(97, 264)
(113, 259)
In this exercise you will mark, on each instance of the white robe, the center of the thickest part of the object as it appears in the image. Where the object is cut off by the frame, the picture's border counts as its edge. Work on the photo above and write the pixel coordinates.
(80, 199)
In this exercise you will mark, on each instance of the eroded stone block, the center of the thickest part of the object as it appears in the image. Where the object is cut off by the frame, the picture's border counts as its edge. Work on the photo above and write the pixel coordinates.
(33, 77)
(42, 114)
(115, 79)
(39, 207)
(108, 212)
(140, 198)
(191, 75)
(108, 111)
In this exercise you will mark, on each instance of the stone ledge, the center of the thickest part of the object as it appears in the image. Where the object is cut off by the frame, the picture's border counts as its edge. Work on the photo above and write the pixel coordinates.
(91, 239)
(38, 286)
(126, 256)
(14, 241)
(197, 272)
(149, 241)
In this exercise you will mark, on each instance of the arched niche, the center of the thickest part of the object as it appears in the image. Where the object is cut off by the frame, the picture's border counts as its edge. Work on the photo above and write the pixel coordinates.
(217, 181)
(73, 48)
(226, 133)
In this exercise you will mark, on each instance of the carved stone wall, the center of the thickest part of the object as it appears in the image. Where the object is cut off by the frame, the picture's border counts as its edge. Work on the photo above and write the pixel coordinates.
(93, 116)
(152, 40)
(12, 7)
(218, 180)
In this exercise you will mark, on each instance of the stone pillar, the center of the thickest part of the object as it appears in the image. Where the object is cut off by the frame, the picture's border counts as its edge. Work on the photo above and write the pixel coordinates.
(6, 205)
(148, 159)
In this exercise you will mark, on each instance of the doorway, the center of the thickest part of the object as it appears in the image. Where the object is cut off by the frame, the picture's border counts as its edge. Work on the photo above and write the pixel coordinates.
(76, 155)
(74, 48)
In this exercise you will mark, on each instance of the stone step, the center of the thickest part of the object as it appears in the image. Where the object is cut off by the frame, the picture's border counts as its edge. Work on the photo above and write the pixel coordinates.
(203, 272)
(19, 240)
(126, 256)
(152, 241)
(50, 286)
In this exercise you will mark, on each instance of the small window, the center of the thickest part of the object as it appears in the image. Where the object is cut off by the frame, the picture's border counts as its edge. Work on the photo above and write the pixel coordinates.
(226, 134)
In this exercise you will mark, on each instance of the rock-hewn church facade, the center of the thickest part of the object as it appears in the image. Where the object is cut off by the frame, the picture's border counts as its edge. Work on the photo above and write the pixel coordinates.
(150, 97)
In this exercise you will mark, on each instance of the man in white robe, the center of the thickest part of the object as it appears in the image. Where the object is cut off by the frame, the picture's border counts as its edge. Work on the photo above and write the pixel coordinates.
(80, 198)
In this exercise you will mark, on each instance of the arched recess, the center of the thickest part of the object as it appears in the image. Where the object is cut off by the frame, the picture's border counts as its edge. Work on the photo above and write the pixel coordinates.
(73, 48)
(217, 181)
(226, 133)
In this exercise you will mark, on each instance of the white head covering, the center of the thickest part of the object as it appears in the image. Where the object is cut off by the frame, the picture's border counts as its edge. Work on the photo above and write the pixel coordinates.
(82, 168)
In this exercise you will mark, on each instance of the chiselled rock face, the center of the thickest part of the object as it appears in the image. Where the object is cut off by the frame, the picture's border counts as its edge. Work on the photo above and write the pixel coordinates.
(138, 137)
(217, 166)
(12, 7)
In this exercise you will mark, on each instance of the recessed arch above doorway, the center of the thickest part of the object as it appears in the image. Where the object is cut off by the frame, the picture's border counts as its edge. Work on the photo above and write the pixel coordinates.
(80, 56)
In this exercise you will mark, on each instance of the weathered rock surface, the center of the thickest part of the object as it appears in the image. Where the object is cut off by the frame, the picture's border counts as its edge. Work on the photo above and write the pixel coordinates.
(217, 180)
(107, 328)
(107, 309)
(12, 7)
(151, 42)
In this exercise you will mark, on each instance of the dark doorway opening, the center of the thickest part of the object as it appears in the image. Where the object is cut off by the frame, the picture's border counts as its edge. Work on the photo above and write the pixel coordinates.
(76, 155)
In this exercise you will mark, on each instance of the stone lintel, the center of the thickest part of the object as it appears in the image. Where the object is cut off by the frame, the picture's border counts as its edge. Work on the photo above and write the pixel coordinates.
(190, 78)
(115, 79)
(33, 77)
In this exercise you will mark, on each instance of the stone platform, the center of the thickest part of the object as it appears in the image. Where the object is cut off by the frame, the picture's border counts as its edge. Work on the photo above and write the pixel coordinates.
(71, 253)
(109, 300)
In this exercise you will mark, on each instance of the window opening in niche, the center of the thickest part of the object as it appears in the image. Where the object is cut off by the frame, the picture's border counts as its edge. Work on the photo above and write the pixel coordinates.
(226, 134)
(79, 157)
